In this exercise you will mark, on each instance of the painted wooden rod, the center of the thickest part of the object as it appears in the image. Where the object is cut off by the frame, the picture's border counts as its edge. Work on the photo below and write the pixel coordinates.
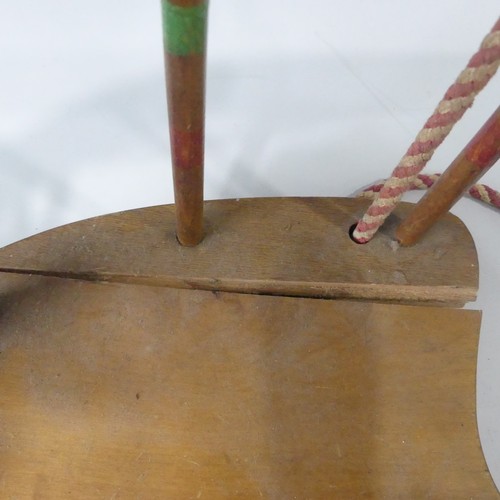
(185, 35)
(476, 158)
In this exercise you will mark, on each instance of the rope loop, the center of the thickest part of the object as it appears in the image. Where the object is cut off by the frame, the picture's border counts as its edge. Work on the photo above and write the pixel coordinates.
(480, 192)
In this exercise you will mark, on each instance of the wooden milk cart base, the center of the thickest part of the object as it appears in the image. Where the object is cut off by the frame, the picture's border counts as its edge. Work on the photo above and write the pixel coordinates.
(132, 367)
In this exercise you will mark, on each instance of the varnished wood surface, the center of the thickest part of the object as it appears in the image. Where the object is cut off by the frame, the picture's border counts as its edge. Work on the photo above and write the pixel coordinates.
(283, 246)
(128, 391)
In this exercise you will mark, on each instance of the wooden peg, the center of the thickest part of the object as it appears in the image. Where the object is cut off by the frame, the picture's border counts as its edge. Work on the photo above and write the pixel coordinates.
(184, 31)
(476, 158)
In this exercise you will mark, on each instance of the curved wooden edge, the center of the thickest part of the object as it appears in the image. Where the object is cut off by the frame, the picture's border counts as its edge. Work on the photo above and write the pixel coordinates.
(167, 392)
(278, 246)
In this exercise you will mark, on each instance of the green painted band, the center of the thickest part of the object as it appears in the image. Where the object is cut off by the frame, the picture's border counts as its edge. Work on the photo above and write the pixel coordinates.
(184, 28)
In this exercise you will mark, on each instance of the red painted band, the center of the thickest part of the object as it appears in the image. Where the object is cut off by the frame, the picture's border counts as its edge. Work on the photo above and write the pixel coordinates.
(187, 148)
(484, 149)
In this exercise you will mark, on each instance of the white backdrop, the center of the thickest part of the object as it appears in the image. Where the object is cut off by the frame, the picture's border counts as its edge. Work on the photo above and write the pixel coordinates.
(315, 97)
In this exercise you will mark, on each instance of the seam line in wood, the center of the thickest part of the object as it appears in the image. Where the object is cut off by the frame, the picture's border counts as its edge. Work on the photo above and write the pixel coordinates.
(444, 294)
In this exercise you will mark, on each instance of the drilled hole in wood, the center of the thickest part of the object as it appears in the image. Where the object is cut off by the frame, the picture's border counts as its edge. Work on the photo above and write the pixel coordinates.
(351, 235)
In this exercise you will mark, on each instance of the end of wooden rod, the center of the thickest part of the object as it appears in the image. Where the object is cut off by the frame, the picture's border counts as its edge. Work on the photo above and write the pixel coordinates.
(191, 238)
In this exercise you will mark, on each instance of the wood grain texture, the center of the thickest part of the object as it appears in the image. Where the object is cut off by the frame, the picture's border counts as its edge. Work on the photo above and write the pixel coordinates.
(129, 391)
(281, 246)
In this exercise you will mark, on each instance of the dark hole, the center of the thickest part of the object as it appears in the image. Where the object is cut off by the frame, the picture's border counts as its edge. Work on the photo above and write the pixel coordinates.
(351, 234)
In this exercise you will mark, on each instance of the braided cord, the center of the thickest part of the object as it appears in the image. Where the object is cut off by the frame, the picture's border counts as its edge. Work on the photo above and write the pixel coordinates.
(458, 98)
(479, 192)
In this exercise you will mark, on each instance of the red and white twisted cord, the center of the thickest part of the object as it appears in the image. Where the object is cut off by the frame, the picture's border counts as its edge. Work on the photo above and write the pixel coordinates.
(479, 192)
(458, 98)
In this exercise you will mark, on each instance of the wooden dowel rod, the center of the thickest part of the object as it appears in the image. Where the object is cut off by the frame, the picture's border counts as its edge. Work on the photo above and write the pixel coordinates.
(476, 158)
(184, 34)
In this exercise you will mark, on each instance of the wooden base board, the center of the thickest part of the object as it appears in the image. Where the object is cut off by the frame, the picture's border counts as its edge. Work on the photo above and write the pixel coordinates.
(115, 390)
(280, 246)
